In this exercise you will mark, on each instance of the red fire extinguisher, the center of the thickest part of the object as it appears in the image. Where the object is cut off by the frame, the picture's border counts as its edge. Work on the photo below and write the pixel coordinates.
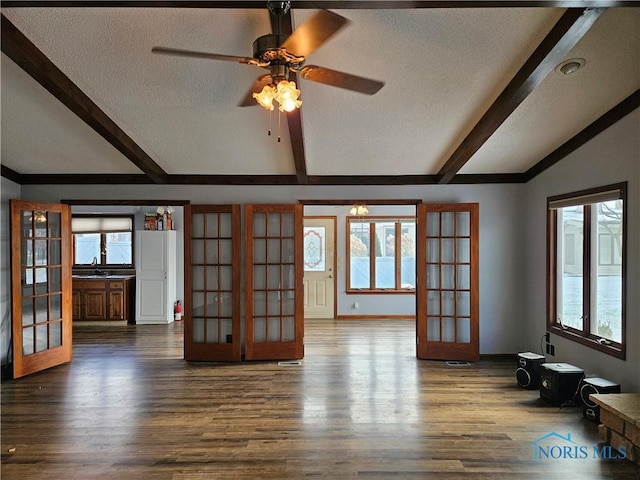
(177, 311)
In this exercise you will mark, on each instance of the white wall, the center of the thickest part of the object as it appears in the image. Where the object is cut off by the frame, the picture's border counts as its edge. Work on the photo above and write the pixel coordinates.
(501, 232)
(611, 157)
(8, 191)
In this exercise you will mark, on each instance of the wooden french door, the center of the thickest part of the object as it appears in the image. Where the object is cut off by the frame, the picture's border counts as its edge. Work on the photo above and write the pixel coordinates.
(274, 308)
(447, 320)
(212, 329)
(40, 286)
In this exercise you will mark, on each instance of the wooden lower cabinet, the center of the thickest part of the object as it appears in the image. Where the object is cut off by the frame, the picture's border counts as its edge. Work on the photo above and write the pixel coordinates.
(116, 305)
(102, 299)
(76, 303)
(95, 305)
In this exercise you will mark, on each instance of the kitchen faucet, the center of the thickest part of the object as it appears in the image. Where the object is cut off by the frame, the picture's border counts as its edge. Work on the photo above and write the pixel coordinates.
(94, 264)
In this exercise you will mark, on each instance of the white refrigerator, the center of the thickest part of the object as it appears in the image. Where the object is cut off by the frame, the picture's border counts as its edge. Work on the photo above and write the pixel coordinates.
(155, 276)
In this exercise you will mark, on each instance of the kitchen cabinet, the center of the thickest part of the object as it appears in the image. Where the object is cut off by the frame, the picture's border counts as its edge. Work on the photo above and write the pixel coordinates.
(102, 298)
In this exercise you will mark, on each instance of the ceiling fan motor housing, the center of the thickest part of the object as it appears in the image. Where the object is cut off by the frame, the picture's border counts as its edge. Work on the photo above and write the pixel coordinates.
(267, 50)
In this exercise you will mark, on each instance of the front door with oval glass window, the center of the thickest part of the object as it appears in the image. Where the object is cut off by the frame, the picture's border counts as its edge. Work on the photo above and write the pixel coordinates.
(318, 251)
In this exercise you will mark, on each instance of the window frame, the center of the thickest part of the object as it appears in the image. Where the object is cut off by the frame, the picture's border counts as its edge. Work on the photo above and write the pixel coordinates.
(372, 220)
(584, 336)
(102, 259)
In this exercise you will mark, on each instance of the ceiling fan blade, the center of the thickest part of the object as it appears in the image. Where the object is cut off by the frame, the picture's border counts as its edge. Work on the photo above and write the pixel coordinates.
(248, 100)
(210, 56)
(314, 32)
(340, 79)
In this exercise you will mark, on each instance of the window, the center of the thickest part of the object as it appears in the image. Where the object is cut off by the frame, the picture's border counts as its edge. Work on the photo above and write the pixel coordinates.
(586, 239)
(315, 249)
(381, 254)
(106, 241)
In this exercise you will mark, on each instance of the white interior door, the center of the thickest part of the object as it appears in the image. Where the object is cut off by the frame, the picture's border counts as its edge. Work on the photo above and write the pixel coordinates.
(319, 267)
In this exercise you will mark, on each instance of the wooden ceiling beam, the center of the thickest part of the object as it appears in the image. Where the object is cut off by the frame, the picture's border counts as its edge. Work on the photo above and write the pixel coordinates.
(35, 63)
(106, 179)
(294, 118)
(326, 180)
(343, 202)
(571, 27)
(328, 4)
(11, 174)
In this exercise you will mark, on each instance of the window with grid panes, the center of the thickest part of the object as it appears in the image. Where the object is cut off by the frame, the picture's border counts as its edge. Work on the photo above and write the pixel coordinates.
(381, 254)
(586, 258)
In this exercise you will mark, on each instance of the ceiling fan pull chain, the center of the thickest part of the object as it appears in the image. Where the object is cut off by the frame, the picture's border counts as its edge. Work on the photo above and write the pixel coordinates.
(279, 114)
(269, 132)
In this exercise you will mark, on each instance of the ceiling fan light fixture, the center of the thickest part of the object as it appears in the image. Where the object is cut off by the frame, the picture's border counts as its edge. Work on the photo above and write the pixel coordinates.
(40, 217)
(287, 96)
(265, 97)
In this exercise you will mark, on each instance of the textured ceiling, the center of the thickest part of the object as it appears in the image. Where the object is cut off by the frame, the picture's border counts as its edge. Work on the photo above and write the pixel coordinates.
(442, 68)
(562, 105)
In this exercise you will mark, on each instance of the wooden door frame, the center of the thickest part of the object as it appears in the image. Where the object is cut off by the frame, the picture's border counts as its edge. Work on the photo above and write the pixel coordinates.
(335, 254)
(352, 201)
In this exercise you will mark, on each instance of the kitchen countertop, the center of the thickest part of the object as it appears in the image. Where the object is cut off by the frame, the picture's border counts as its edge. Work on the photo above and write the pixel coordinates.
(99, 276)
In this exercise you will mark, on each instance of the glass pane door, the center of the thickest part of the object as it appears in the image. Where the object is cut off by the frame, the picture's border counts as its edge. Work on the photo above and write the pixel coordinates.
(212, 321)
(274, 304)
(41, 285)
(448, 278)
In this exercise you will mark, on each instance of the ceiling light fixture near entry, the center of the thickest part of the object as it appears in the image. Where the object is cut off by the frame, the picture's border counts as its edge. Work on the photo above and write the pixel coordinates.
(359, 210)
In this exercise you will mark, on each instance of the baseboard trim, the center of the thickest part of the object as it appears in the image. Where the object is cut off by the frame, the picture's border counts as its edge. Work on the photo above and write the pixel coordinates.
(153, 322)
(375, 317)
(499, 356)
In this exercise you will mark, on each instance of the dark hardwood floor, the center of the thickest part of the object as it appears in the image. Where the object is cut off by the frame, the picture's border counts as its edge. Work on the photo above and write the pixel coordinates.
(359, 406)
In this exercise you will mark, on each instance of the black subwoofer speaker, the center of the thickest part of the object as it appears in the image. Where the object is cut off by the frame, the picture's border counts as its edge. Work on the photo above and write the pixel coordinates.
(589, 386)
(528, 370)
(559, 382)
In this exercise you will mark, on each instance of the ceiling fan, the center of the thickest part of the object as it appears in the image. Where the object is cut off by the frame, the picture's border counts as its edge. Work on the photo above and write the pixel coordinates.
(281, 54)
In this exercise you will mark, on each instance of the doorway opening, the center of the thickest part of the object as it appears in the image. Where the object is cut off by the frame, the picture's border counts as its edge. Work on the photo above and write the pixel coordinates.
(115, 304)
(360, 266)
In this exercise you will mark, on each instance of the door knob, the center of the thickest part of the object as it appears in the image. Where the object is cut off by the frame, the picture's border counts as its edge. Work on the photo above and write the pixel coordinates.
(330, 276)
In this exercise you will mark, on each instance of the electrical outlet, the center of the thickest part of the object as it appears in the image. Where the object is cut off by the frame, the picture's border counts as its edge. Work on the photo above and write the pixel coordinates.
(551, 350)
(547, 337)
(355, 305)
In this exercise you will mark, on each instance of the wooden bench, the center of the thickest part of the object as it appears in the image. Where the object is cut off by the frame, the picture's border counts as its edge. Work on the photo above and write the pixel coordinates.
(620, 422)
